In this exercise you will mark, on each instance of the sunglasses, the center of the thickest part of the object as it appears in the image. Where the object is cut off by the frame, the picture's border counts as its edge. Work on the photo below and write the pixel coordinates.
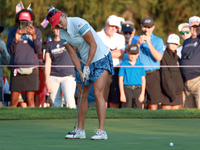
(183, 32)
(127, 32)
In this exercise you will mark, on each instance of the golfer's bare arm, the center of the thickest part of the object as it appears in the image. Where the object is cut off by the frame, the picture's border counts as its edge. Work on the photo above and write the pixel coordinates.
(93, 46)
(74, 58)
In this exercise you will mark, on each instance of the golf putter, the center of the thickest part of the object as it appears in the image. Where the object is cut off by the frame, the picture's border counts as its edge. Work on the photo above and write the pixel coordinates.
(73, 132)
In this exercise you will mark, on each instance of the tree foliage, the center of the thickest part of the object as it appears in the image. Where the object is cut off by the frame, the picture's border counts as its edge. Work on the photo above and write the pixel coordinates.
(166, 13)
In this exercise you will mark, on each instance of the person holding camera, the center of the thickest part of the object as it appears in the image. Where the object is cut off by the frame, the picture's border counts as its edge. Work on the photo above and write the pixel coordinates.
(24, 43)
(190, 57)
(151, 53)
(4, 60)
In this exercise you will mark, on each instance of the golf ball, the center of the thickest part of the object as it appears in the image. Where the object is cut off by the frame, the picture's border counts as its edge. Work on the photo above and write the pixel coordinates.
(171, 144)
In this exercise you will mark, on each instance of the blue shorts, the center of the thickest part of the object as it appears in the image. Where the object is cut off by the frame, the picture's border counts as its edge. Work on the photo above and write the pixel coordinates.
(96, 69)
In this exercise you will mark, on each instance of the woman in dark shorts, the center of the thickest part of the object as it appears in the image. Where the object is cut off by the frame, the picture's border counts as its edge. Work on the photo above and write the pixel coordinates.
(23, 45)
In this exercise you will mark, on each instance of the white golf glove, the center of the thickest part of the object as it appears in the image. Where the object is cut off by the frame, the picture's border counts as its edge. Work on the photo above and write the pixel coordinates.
(86, 72)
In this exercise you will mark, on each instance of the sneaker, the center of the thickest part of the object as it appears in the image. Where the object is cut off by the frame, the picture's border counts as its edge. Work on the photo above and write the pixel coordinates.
(78, 134)
(100, 135)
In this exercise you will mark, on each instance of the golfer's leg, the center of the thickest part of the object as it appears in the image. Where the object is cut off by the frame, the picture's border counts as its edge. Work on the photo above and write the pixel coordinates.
(83, 106)
(107, 88)
(98, 89)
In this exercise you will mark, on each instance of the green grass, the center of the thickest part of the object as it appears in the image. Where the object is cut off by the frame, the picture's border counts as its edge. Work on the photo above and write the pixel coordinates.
(7, 113)
(123, 134)
(127, 129)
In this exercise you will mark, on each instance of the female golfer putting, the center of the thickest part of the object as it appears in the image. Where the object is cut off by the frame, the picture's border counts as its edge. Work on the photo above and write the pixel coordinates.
(95, 66)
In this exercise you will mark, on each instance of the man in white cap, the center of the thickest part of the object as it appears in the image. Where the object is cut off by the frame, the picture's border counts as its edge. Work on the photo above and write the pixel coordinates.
(184, 30)
(190, 57)
(4, 60)
(116, 43)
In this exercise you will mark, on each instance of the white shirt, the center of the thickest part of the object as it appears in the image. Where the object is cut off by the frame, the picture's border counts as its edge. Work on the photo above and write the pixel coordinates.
(76, 29)
(179, 49)
(116, 42)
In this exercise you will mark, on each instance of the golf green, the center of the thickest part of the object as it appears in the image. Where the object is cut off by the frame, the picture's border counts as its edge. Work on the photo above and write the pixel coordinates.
(123, 134)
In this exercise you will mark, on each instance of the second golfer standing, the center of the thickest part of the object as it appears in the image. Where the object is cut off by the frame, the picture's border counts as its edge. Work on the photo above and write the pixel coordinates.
(95, 66)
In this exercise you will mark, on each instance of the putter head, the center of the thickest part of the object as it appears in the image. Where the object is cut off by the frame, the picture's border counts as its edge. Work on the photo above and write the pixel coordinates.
(72, 133)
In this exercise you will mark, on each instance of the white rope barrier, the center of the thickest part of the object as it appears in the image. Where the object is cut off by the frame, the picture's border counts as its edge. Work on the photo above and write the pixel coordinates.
(70, 66)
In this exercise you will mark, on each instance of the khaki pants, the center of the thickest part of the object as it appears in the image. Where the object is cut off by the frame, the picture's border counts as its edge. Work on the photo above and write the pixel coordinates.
(188, 101)
(192, 90)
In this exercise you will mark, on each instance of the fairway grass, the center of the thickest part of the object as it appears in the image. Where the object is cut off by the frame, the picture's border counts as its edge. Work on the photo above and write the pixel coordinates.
(7, 113)
(123, 134)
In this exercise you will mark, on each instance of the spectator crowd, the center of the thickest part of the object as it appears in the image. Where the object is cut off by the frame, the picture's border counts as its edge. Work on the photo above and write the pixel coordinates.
(148, 74)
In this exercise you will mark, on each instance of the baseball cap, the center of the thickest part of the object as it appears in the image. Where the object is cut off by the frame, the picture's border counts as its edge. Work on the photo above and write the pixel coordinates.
(113, 20)
(1, 29)
(182, 25)
(173, 38)
(194, 20)
(133, 49)
(54, 18)
(128, 26)
(25, 16)
(32, 16)
(121, 19)
(148, 22)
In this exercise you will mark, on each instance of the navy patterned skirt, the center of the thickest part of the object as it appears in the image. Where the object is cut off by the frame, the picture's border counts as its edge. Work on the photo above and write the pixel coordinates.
(96, 69)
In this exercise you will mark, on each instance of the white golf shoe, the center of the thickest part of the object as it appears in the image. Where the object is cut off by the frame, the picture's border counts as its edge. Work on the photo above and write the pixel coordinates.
(76, 134)
(100, 135)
